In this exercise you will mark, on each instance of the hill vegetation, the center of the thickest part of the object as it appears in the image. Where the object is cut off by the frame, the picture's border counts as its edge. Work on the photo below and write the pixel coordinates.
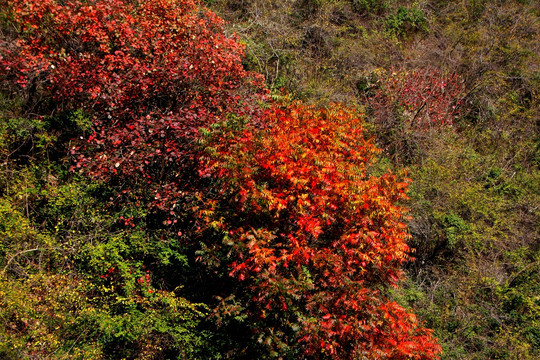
(297, 181)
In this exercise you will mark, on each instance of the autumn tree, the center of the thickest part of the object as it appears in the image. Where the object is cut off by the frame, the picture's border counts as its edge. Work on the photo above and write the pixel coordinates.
(149, 74)
(318, 240)
(426, 97)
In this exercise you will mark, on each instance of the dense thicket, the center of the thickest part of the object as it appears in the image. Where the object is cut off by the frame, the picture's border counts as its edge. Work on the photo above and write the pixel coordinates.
(157, 202)
(184, 177)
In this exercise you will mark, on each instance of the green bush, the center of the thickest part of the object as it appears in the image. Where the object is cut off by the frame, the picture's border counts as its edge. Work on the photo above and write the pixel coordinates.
(406, 21)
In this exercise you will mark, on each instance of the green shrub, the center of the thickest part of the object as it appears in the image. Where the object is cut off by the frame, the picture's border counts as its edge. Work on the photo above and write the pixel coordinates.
(406, 21)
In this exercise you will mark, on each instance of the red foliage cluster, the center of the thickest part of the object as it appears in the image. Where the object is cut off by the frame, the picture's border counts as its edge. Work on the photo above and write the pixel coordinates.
(314, 239)
(426, 96)
(148, 72)
(317, 238)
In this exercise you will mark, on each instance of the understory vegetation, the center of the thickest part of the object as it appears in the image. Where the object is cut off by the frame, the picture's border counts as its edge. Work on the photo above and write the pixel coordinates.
(299, 179)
